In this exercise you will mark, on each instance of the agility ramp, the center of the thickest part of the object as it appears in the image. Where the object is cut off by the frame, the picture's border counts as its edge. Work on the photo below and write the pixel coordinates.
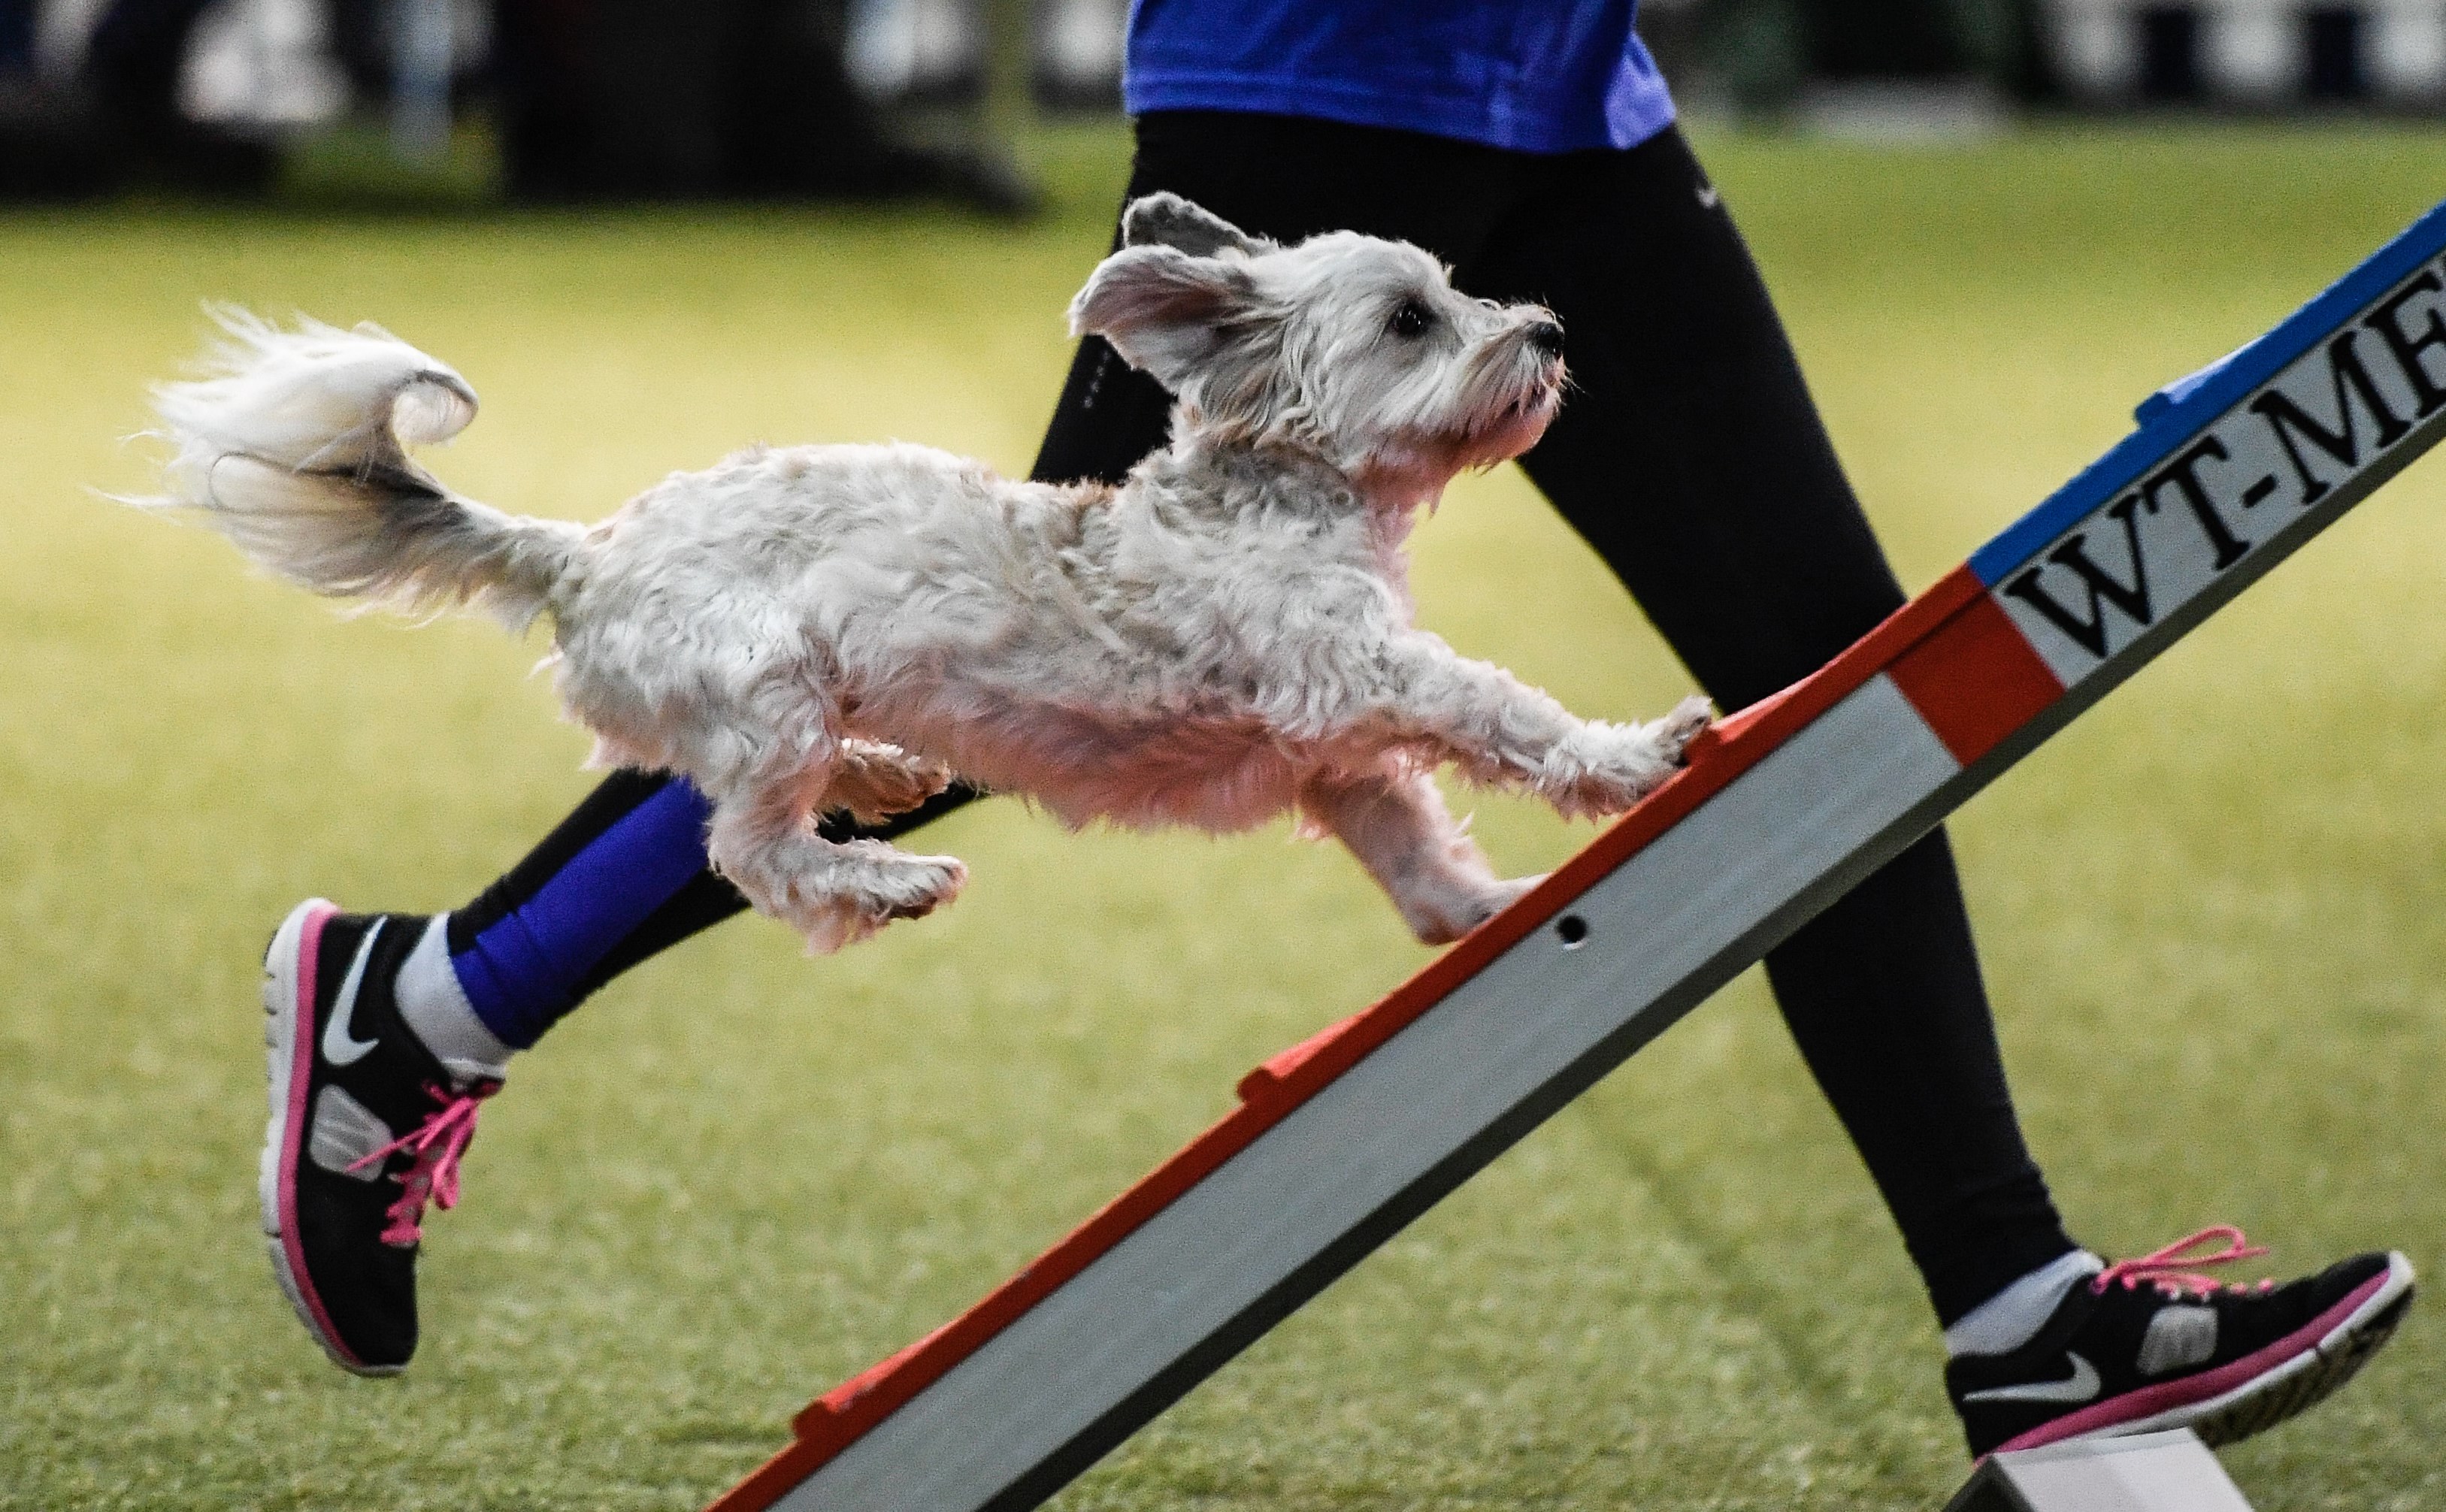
(1339, 1141)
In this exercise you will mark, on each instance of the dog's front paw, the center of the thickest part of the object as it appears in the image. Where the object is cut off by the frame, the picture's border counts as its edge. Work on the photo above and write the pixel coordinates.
(1452, 913)
(1603, 768)
(1674, 733)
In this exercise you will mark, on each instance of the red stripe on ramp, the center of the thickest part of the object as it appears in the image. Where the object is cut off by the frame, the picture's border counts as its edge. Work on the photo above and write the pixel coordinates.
(1976, 680)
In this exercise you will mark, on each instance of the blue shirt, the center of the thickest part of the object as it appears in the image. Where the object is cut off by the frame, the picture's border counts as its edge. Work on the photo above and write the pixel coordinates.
(1532, 75)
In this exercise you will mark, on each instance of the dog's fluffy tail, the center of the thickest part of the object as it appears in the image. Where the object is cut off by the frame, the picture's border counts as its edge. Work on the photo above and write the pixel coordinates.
(293, 444)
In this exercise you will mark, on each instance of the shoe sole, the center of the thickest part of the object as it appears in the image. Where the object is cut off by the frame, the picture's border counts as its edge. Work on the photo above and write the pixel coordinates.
(290, 968)
(2260, 1390)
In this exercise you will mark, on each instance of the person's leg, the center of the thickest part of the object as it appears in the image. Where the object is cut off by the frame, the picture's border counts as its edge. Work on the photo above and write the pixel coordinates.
(1692, 458)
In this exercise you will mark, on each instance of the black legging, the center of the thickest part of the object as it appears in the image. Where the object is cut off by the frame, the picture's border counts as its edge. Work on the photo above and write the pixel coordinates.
(1689, 455)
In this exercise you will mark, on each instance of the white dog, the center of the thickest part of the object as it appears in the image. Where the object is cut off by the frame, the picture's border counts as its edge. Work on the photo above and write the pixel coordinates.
(1225, 637)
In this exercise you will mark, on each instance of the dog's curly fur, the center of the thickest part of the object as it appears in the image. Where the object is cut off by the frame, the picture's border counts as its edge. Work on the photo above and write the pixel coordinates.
(1225, 636)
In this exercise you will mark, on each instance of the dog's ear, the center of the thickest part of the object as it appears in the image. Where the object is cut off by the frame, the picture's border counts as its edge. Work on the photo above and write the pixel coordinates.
(1168, 220)
(1166, 311)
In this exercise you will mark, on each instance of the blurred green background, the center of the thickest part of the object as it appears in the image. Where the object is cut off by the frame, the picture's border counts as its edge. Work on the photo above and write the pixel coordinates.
(2210, 910)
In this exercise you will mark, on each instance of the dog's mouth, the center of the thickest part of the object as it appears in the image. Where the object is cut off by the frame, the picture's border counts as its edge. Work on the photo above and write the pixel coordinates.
(1527, 409)
(1539, 403)
(1507, 416)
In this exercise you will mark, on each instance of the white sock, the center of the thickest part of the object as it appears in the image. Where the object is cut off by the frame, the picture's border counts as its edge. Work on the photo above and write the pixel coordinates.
(2013, 1316)
(436, 1009)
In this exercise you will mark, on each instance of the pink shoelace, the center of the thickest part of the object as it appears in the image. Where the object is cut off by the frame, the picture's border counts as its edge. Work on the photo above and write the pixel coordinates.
(436, 1143)
(2173, 1271)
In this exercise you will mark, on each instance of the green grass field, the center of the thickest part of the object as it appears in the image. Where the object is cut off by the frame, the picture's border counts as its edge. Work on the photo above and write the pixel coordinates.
(2210, 910)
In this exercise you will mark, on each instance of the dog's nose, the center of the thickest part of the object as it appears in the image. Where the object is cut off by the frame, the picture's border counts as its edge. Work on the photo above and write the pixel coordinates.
(1547, 337)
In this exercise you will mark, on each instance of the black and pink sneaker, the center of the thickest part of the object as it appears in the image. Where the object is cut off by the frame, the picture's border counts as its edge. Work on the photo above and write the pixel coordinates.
(2151, 1343)
(367, 1128)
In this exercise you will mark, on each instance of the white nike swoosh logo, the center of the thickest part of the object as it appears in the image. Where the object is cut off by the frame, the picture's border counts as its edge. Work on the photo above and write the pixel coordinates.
(340, 1046)
(1708, 197)
(2081, 1387)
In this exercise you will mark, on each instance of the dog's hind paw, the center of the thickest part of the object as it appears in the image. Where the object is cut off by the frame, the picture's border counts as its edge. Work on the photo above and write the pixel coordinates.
(913, 886)
(872, 782)
(837, 895)
(890, 886)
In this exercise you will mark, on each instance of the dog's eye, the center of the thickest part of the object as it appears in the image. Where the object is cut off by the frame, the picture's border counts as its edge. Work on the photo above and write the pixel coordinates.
(1411, 319)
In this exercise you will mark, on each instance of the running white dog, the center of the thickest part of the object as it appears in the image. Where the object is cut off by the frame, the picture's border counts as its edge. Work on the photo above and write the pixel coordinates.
(1225, 637)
